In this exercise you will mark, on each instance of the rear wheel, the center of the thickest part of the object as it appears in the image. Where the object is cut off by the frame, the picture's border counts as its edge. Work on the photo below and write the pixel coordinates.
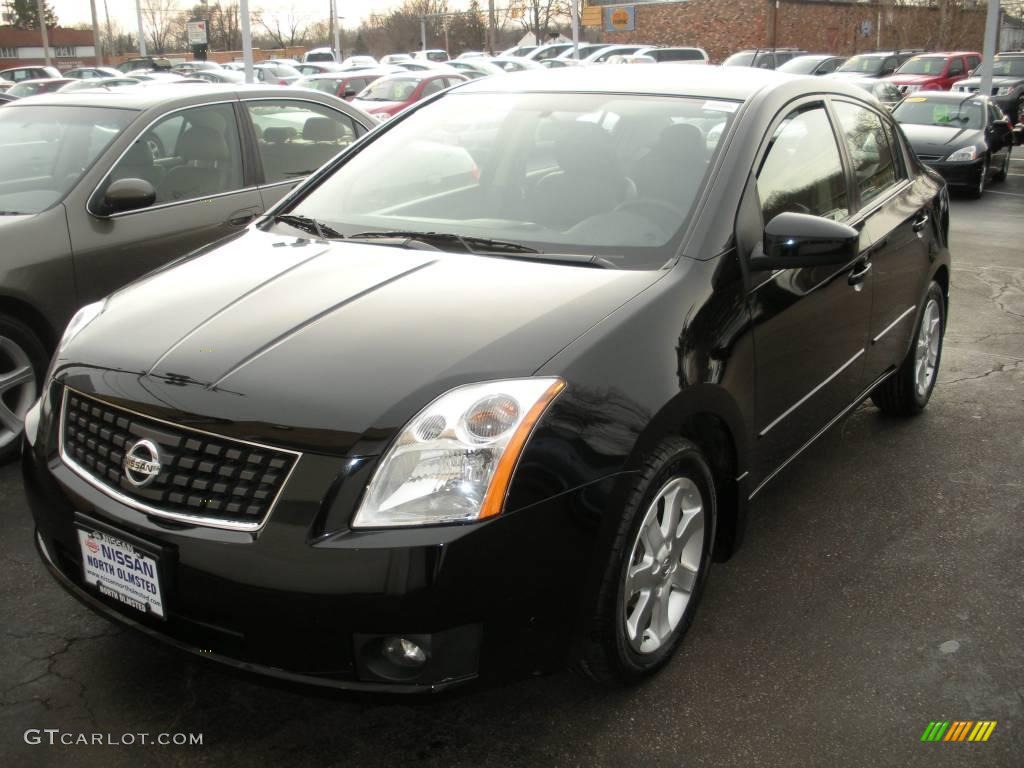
(1004, 169)
(908, 391)
(22, 367)
(657, 566)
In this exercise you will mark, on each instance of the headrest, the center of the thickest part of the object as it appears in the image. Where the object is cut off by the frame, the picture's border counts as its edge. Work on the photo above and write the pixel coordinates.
(585, 148)
(138, 156)
(321, 129)
(681, 140)
(208, 117)
(278, 135)
(202, 143)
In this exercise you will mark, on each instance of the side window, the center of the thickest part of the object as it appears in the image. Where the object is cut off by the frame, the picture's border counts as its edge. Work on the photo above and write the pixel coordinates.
(802, 171)
(297, 137)
(432, 87)
(956, 67)
(973, 62)
(899, 163)
(890, 64)
(189, 154)
(869, 149)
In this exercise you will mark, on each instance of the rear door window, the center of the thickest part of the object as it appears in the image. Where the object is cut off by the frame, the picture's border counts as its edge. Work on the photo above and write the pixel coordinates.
(869, 149)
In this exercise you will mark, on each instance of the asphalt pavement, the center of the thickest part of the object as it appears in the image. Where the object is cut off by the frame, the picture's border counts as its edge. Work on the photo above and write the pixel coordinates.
(881, 587)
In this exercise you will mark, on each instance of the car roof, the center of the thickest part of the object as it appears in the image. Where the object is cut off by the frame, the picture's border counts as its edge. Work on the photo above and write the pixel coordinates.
(738, 84)
(171, 94)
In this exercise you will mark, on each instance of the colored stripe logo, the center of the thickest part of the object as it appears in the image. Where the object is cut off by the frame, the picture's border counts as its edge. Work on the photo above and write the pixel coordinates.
(958, 730)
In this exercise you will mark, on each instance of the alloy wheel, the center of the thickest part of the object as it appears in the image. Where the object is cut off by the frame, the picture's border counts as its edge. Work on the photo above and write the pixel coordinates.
(926, 353)
(981, 181)
(663, 565)
(17, 389)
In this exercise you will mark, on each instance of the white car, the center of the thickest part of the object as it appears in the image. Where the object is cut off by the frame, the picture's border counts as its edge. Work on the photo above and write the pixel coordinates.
(358, 61)
(680, 54)
(318, 55)
(395, 58)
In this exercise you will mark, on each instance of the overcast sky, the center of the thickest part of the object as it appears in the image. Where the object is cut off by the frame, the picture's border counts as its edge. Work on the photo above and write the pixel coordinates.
(310, 11)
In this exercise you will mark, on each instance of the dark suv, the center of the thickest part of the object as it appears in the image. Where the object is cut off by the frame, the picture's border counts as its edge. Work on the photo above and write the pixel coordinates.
(877, 64)
(768, 58)
(1007, 84)
(148, 63)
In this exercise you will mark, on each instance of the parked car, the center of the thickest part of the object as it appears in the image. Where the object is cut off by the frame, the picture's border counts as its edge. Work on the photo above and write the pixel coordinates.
(91, 73)
(346, 84)
(967, 139)
(934, 71)
(585, 49)
(433, 54)
(812, 64)
(394, 58)
(879, 64)
(317, 68)
(145, 64)
(4, 98)
(126, 180)
(683, 55)
(549, 51)
(99, 82)
(496, 422)
(887, 93)
(18, 74)
(601, 55)
(34, 87)
(353, 62)
(320, 55)
(473, 55)
(560, 63)
(766, 58)
(630, 58)
(477, 68)
(189, 68)
(515, 63)
(285, 62)
(156, 76)
(517, 50)
(1007, 84)
(275, 74)
(387, 96)
(223, 75)
(5, 84)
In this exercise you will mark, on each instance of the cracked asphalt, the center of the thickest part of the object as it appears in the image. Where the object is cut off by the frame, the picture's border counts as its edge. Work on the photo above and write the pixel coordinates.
(880, 588)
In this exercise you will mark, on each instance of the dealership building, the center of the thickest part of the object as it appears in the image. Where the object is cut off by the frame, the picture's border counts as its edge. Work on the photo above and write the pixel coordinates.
(68, 47)
(845, 27)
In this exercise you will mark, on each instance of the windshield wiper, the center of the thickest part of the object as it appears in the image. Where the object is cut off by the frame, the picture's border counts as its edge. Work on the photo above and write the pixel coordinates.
(484, 246)
(306, 224)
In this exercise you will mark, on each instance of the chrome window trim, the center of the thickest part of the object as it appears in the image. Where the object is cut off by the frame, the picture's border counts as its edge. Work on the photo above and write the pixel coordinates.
(810, 394)
(229, 525)
(149, 125)
(893, 324)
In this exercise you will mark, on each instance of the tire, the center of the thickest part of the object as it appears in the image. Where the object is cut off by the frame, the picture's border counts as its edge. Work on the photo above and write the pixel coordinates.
(977, 191)
(902, 393)
(612, 653)
(23, 362)
(1001, 174)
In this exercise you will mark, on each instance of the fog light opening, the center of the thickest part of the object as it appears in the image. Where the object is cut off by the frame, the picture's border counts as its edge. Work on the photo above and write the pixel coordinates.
(404, 653)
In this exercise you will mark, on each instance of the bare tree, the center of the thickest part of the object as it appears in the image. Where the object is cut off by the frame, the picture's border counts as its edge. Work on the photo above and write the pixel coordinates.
(285, 29)
(538, 16)
(163, 21)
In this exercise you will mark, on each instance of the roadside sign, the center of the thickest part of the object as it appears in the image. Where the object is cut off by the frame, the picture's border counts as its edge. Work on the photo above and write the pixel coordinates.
(620, 18)
(591, 16)
(196, 32)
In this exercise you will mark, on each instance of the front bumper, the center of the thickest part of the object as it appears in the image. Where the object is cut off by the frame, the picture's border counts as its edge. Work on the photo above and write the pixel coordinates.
(502, 598)
(961, 175)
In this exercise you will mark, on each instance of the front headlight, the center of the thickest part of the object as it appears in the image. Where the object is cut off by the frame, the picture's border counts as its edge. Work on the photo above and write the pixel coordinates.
(964, 155)
(453, 462)
(82, 318)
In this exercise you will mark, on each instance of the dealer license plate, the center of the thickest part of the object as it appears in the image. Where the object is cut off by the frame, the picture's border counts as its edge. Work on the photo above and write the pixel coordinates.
(121, 570)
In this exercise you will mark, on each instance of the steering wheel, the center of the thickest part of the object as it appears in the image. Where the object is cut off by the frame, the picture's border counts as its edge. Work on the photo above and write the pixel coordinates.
(657, 211)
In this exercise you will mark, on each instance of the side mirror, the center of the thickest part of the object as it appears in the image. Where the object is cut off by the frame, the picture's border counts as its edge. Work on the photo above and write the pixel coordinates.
(801, 240)
(127, 195)
(349, 93)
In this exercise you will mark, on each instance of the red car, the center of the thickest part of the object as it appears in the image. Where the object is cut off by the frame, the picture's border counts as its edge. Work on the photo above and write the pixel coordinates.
(344, 85)
(389, 95)
(934, 71)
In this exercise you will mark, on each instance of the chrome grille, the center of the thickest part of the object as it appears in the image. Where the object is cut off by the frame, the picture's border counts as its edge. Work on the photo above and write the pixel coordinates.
(202, 478)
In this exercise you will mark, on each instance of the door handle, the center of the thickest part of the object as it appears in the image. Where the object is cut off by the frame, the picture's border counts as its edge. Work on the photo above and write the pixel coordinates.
(920, 221)
(860, 271)
(241, 218)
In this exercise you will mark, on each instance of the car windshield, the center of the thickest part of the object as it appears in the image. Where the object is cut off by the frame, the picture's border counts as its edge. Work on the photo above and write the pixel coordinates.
(605, 175)
(327, 85)
(946, 114)
(923, 66)
(801, 65)
(739, 60)
(1009, 67)
(397, 89)
(44, 150)
(863, 64)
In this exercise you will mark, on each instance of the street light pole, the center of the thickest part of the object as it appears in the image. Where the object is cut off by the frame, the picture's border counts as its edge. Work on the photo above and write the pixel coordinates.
(96, 41)
(989, 52)
(243, 12)
(142, 29)
(336, 25)
(423, 33)
(42, 29)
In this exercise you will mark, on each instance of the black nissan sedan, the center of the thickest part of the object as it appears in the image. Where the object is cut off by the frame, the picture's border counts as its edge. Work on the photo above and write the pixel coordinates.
(488, 393)
(965, 137)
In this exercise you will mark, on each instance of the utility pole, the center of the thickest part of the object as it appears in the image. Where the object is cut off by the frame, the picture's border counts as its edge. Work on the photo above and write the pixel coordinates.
(96, 41)
(989, 52)
(336, 26)
(574, 7)
(243, 13)
(491, 25)
(330, 10)
(423, 33)
(142, 29)
(42, 29)
(110, 29)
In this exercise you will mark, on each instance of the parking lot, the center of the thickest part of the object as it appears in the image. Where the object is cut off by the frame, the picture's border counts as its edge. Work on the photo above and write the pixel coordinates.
(879, 590)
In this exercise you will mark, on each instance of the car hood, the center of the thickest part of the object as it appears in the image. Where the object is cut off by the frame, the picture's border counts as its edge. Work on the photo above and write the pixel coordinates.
(997, 82)
(938, 140)
(377, 106)
(330, 347)
(912, 79)
(858, 75)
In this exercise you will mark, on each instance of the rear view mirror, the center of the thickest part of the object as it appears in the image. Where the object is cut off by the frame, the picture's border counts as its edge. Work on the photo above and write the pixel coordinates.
(800, 240)
(127, 195)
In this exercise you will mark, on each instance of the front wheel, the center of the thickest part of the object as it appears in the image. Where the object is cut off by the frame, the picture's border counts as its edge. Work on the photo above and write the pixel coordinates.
(657, 566)
(1004, 169)
(22, 367)
(908, 391)
(979, 190)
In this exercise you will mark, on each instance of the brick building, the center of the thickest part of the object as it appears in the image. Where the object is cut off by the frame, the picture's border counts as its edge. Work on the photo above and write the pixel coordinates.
(722, 27)
(68, 47)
